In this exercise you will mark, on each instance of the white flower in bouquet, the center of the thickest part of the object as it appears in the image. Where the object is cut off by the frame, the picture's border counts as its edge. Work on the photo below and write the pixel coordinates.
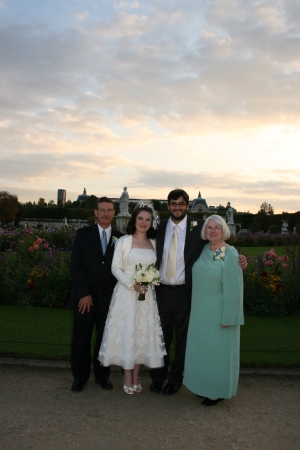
(145, 276)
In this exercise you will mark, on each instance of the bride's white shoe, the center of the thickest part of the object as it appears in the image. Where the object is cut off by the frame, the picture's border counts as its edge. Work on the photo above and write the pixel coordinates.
(128, 390)
(137, 388)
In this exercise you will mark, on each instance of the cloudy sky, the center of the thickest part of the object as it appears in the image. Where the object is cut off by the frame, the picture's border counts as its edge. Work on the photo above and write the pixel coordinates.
(152, 95)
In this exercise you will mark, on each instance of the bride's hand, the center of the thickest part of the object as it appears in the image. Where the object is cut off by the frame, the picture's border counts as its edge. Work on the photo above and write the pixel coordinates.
(140, 288)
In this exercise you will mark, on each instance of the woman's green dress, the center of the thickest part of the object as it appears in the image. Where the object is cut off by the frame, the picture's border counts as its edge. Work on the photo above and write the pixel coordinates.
(212, 356)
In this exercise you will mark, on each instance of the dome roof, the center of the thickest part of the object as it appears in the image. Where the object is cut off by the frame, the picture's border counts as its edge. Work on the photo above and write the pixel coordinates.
(83, 196)
(199, 204)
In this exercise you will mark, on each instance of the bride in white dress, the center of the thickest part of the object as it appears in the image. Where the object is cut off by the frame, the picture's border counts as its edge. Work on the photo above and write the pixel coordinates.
(133, 333)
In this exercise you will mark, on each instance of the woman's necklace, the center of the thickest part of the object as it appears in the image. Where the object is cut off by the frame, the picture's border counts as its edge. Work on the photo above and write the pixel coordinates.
(216, 246)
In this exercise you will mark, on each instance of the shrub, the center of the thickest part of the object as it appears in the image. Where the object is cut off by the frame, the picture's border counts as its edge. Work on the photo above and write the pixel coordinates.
(297, 229)
(91, 220)
(254, 227)
(274, 229)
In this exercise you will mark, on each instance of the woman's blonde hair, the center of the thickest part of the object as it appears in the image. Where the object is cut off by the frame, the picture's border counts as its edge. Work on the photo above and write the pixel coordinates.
(220, 221)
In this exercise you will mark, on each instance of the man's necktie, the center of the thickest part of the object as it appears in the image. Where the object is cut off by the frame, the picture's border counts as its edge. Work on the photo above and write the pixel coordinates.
(172, 256)
(104, 242)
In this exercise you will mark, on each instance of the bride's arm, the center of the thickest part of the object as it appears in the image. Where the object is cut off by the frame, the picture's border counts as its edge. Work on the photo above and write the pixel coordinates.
(117, 264)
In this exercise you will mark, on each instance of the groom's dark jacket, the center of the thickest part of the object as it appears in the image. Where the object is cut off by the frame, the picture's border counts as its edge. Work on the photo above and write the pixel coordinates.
(192, 248)
(90, 269)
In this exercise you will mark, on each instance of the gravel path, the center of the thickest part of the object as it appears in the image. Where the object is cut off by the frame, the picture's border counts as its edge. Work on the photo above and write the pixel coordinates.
(39, 411)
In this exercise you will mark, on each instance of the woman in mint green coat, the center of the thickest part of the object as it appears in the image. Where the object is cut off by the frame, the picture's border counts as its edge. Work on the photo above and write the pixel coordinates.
(212, 355)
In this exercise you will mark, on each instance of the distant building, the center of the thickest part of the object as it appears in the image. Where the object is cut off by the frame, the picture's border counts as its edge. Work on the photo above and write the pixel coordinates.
(61, 196)
(83, 196)
(199, 204)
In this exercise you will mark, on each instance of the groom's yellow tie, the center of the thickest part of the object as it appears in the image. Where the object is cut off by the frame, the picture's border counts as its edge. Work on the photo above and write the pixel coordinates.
(172, 256)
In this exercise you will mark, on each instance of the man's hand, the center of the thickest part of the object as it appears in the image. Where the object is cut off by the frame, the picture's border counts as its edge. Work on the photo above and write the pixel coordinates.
(243, 262)
(84, 304)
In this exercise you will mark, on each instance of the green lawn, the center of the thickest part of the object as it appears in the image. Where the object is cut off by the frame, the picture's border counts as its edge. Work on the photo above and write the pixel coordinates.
(45, 333)
(256, 251)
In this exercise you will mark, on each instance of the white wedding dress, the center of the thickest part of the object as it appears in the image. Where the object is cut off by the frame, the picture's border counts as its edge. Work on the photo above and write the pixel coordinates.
(133, 333)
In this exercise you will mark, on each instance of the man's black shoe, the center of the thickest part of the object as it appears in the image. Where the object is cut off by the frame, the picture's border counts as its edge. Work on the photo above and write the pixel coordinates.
(77, 386)
(105, 384)
(155, 387)
(171, 389)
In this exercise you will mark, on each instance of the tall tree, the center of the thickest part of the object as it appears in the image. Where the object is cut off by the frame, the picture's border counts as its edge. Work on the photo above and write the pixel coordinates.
(9, 206)
(42, 202)
(266, 208)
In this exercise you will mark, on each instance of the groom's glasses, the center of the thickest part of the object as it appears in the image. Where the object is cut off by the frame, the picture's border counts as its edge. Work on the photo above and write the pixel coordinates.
(174, 204)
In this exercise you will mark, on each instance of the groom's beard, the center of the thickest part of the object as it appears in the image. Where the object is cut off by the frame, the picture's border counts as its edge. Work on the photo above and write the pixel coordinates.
(178, 217)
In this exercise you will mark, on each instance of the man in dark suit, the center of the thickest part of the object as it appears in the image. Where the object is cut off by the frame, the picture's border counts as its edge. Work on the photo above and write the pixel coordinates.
(93, 285)
(175, 291)
(174, 295)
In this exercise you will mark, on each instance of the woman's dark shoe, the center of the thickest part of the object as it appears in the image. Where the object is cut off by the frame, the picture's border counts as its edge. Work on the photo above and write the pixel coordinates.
(209, 402)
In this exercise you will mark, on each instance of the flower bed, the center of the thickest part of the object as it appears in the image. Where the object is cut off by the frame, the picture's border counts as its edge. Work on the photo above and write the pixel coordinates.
(34, 269)
(261, 239)
(272, 284)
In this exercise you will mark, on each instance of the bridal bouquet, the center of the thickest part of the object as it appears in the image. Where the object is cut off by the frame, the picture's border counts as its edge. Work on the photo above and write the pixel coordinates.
(145, 276)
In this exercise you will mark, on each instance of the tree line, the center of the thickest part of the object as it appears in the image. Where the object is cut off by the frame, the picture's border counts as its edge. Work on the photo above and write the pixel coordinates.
(11, 210)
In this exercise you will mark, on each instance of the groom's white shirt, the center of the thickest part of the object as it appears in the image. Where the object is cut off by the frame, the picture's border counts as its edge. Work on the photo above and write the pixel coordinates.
(180, 265)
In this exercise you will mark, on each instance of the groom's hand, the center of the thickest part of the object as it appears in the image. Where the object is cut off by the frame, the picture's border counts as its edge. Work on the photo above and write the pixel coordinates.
(84, 304)
(243, 262)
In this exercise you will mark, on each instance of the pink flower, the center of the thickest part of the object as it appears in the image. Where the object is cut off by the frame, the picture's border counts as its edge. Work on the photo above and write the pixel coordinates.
(269, 263)
(286, 258)
(35, 246)
(265, 261)
(46, 245)
(39, 240)
(280, 258)
(31, 286)
(30, 249)
(285, 266)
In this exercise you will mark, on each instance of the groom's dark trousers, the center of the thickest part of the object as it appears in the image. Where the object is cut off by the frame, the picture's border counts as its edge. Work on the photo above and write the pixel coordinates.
(174, 303)
(91, 275)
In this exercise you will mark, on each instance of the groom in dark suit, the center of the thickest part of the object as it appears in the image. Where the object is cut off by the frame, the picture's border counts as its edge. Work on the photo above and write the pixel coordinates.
(93, 285)
(174, 293)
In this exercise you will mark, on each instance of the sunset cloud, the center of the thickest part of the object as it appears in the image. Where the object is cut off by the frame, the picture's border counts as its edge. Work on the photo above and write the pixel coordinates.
(150, 95)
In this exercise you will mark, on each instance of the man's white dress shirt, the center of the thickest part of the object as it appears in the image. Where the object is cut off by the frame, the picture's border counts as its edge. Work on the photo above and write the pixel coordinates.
(180, 266)
(107, 231)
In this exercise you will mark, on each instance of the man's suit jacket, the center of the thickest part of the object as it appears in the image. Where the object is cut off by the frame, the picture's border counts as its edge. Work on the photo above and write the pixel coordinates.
(90, 269)
(192, 248)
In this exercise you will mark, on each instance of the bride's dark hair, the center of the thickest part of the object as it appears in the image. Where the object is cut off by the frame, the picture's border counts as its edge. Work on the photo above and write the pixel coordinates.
(130, 229)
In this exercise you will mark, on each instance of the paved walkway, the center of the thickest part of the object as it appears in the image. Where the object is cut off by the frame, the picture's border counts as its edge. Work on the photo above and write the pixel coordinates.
(38, 411)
